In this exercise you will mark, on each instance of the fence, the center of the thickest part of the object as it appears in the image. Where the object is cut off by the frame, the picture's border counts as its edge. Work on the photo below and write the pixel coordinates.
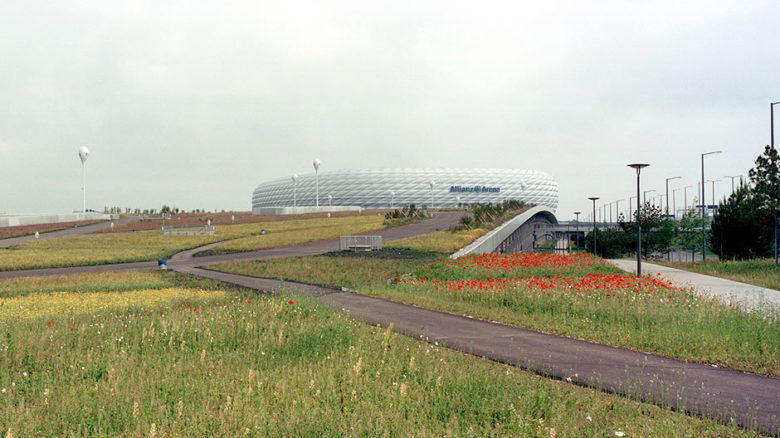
(360, 243)
(178, 231)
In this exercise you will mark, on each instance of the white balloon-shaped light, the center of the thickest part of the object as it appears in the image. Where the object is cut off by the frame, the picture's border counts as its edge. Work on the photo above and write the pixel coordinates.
(83, 154)
(294, 178)
(316, 163)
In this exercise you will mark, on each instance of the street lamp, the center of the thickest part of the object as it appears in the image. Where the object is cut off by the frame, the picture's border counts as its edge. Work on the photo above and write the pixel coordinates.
(732, 181)
(432, 183)
(713, 181)
(638, 167)
(330, 200)
(667, 191)
(703, 234)
(594, 199)
(294, 180)
(316, 163)
(83, 154)
(644, 196)
(772, 140)
(617, 209)
(577, 229)
(685, 196)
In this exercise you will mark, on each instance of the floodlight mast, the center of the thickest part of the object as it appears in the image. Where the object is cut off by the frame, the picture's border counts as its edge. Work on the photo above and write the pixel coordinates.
(316, 163)
(83, 154)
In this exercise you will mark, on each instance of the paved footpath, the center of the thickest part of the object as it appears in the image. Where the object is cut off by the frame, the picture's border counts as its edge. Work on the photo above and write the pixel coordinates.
(747, 296)
(68, 232)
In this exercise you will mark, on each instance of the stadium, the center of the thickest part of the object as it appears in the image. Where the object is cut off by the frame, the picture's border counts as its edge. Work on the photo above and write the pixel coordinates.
(394, 188)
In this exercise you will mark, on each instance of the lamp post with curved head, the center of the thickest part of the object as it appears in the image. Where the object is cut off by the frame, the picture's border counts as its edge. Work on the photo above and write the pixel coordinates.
(295, 181)
(316, 163)
(667, 191)
(594, 199)
(330, 200)
(703, 202)
(432, 183)
(638, 167)
(83, 154)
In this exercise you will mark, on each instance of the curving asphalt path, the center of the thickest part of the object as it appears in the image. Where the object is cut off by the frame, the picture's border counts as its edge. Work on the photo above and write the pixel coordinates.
(68, 232)
(752, 401)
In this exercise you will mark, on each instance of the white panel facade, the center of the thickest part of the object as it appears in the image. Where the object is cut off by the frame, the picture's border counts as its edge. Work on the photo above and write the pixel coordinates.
(371, 188)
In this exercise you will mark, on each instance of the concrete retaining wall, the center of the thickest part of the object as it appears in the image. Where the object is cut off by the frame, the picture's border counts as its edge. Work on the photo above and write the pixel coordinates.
(490, 241)
(12, 220)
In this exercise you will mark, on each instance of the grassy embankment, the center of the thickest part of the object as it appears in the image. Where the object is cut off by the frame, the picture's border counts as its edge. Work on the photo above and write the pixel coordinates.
(590, 300)
(151, 245)
(758, 272)
(214, 362)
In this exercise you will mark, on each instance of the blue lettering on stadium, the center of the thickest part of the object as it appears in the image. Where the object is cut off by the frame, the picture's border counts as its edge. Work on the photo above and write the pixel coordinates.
(474, 189)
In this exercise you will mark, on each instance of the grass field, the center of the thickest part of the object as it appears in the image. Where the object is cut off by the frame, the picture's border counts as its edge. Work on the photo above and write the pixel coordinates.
(576, 296)
(216, 362)
(758, 272)
(438, 241)
(295, 232)
(151, 245)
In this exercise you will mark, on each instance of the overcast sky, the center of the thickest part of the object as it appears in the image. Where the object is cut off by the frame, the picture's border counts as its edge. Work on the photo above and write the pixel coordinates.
(193, 104)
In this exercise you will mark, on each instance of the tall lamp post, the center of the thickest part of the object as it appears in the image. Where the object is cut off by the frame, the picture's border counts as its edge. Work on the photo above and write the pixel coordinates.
(685, 196)
(644, 196)
(638, 167)
(83, 154)
(594, 199)
(703, 234)
(330, 200)
(732, 181)
(772, 140)
(577, 229)
(713, 181)
(316, 163)
(674, 202)
(667, 192)
(295, 181)
(432, 183)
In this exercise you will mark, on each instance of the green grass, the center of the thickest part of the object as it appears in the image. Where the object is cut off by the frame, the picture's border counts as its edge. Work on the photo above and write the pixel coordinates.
(687, 326)
(438, 241)
(758, 272)
(151, 245)
(253, 365)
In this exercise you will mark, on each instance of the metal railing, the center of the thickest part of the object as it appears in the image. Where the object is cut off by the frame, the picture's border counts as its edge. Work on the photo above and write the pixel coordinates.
(360, 243)
(180, 231)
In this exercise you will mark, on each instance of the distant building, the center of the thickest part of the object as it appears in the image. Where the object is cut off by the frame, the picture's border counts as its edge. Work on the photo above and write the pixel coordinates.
(374, 188)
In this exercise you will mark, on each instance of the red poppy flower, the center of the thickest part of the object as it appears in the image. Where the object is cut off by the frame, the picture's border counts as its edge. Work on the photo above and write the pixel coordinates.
(249, 301)
(49, 322)
(195, 309)
(292, 302)
(71, 329)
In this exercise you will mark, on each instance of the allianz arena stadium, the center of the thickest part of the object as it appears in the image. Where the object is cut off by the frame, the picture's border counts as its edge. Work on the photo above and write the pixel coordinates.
(395, 188)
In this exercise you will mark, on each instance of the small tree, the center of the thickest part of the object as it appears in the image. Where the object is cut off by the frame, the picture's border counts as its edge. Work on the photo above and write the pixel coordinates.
(688, 234)
(737, 227)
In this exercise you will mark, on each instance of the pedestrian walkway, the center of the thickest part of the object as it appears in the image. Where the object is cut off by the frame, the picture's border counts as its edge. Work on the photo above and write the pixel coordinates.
(747, 296)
